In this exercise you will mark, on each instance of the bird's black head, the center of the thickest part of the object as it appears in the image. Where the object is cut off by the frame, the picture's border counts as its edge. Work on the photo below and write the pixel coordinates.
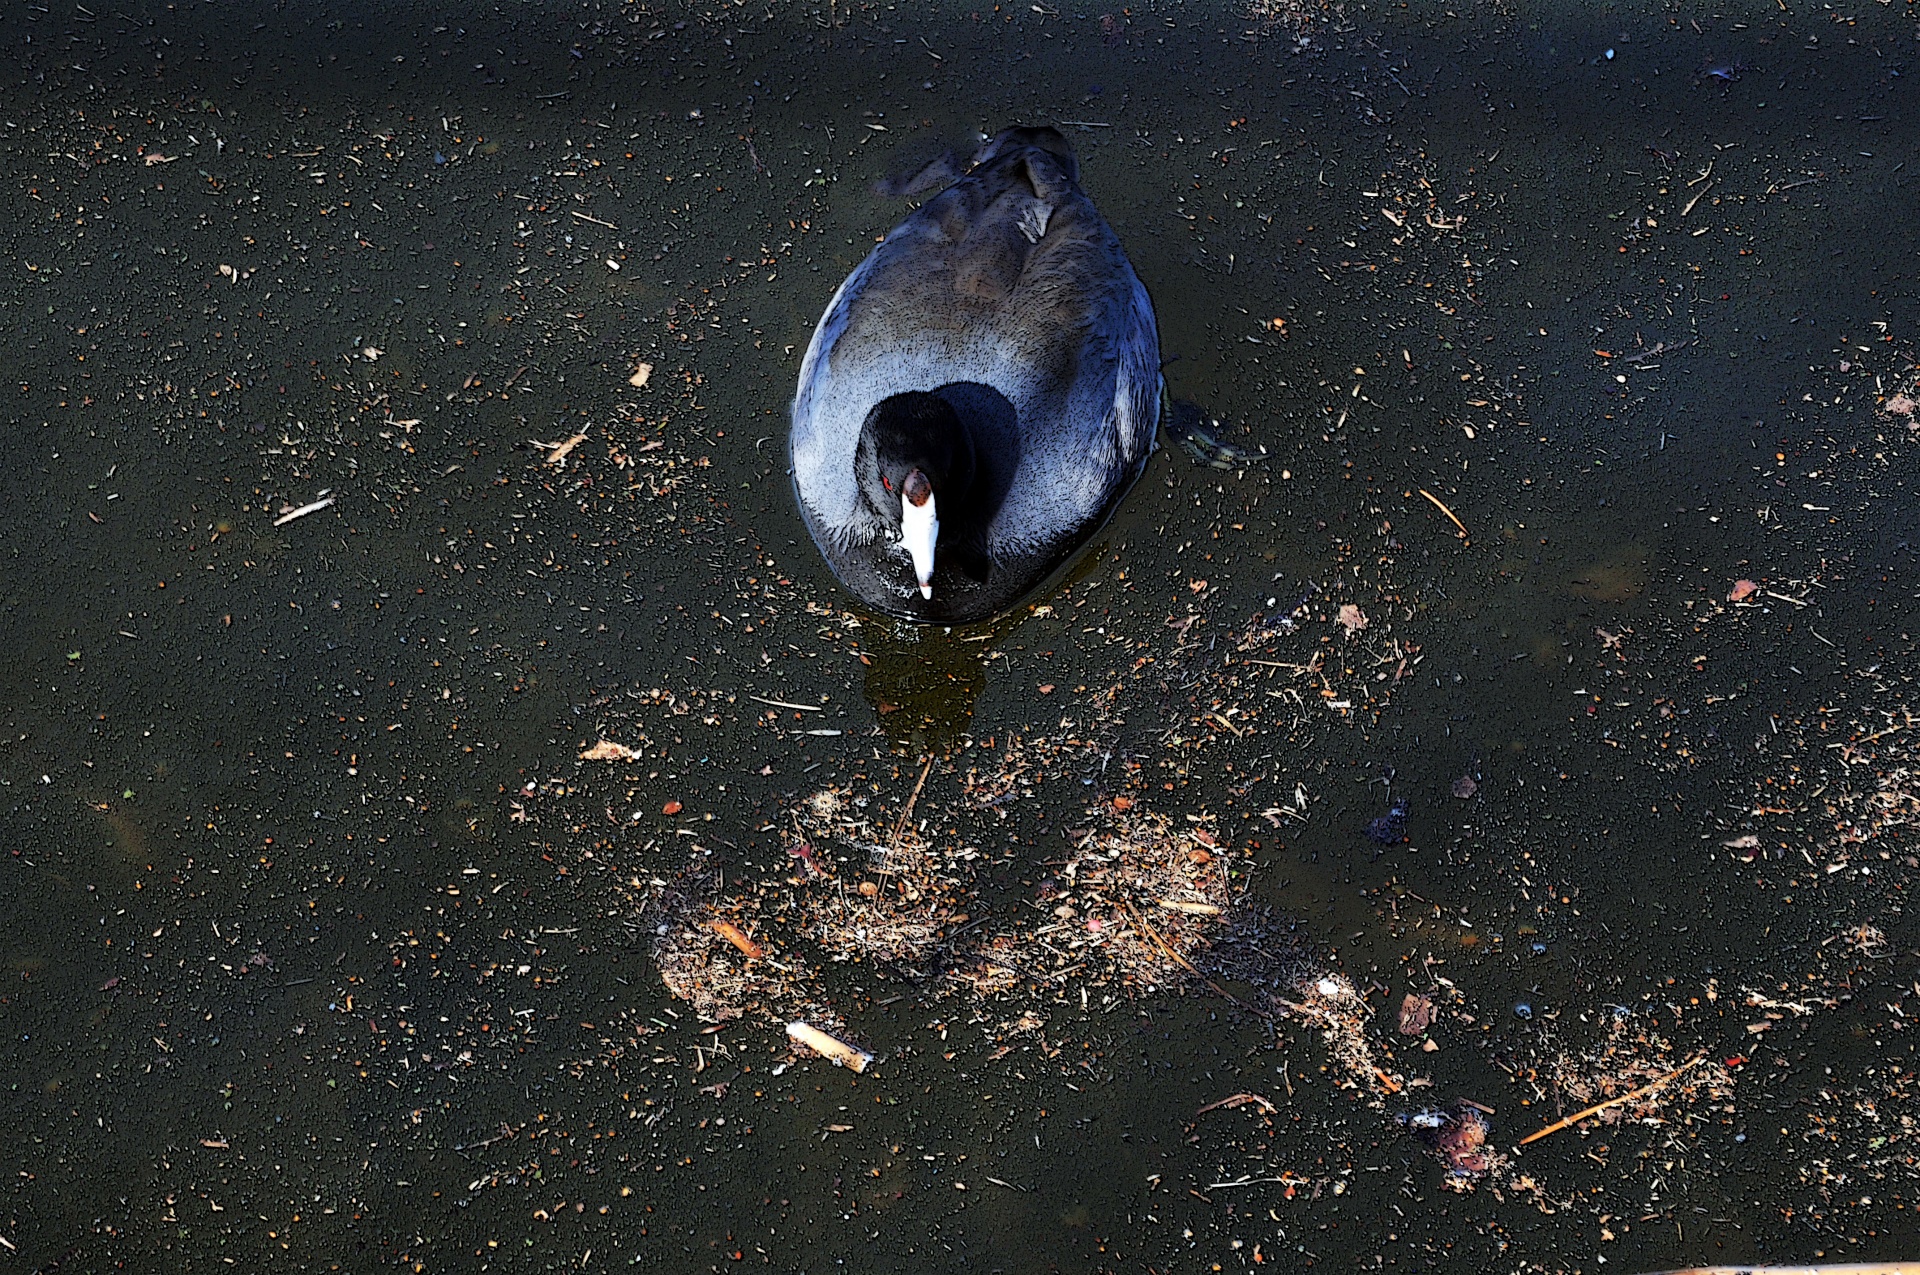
(907, 433)
(915, 466)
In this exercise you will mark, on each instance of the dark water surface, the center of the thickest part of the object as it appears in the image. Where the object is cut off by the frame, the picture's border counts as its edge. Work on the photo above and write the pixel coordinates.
(324, 951)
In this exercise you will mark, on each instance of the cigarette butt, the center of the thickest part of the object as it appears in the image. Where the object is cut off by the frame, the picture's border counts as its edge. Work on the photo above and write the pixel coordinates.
(838, 1052)
(736, 936)
(1192, 909)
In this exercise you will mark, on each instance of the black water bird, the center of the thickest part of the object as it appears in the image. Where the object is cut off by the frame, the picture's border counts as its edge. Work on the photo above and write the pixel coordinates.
(981, 391)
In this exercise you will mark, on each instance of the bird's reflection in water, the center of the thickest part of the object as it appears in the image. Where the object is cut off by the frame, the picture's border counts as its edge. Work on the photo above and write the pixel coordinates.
(923, 680)
(922, 683)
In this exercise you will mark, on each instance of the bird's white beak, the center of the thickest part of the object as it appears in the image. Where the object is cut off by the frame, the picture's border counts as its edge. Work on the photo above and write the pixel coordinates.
(919, 529)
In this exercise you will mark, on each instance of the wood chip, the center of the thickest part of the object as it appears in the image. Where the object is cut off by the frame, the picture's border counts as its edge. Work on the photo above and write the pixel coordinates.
(607, 750)
(557, 452)
(736, 936)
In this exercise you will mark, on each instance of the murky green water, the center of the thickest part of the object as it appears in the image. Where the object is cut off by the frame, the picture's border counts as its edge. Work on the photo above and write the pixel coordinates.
(324, 950)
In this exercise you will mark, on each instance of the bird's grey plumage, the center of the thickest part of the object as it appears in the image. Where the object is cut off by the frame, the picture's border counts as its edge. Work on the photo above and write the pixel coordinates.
(1008, 295)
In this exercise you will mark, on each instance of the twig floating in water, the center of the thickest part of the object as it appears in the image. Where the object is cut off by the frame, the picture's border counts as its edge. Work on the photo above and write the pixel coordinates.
(1598, 1107)
(1451, 516)
(607, 750)
(1237, 1100)
(911, 798)
(780, 703)
(312, 508)
(557, 452)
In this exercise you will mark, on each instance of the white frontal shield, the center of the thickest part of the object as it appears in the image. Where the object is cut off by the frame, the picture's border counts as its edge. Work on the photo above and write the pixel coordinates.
(919, 530)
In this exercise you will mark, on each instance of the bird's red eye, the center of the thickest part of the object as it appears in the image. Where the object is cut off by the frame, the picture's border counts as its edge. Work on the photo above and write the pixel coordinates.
(886, 482)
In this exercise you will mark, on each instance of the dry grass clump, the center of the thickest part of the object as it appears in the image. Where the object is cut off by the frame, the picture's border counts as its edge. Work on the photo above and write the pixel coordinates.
(1144, 903)
(704, 949)
(1285, 672)
(1333, 1004)
(858, 893)
(1141, 898)
(1296, 17)
(1134, 906)
(1631, 1057)
(874, 893)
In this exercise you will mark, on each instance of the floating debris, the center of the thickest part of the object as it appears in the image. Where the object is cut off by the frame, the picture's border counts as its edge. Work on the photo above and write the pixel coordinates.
(1457, 1136)
(1201, 440)
(832, 1048)
(1629, 1075)
(607, 750)
(557, 453)
(312, 507)
(700, 961)
(1610, 1104)
(738, 937)
(1145, 904)
(1389, 829)
(1335, 1005)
